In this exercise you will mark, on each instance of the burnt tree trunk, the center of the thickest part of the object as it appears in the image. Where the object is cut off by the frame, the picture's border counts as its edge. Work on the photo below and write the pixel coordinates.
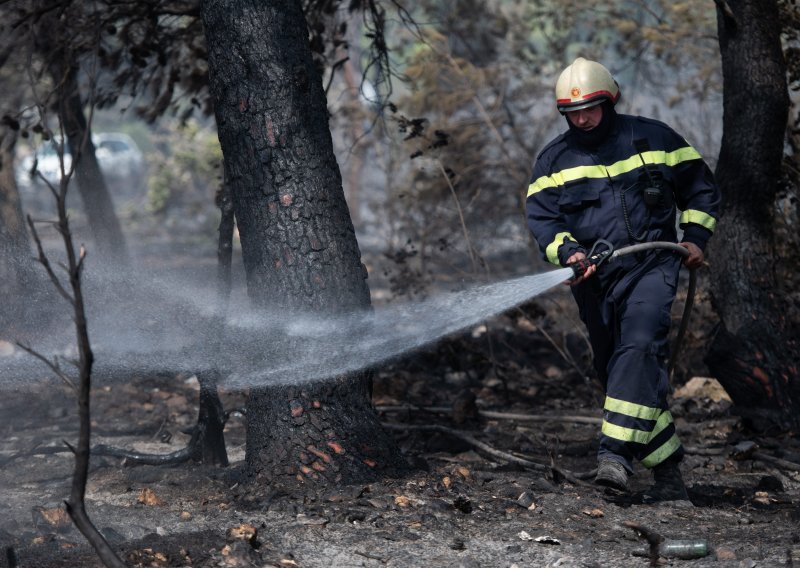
(754, 352)
(298, 242)
(17, 274)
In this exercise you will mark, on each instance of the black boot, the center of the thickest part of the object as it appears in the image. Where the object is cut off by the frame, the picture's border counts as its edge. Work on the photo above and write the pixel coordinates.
(611, 473)
(668, 484)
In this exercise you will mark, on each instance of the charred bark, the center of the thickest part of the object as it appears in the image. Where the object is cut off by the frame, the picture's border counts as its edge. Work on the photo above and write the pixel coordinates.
(323, 433)
(754, 351)
(298, 242)
(17, 274)
(211, 422)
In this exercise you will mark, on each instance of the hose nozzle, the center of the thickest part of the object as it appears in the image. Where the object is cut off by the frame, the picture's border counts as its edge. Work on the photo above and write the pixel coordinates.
(594, 258)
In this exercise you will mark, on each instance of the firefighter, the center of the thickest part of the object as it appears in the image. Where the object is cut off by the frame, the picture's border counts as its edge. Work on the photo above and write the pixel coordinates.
(623, 178)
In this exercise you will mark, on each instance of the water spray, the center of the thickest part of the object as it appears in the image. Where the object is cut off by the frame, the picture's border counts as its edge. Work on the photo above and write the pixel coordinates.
(181, 332)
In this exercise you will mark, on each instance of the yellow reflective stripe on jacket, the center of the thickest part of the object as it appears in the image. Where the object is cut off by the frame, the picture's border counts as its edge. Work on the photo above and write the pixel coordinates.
(663, 452)
(634, 435)
(542, 183)
(695, 216)
(618, 168)
(552, 248)
(631, 409)
(670, 159)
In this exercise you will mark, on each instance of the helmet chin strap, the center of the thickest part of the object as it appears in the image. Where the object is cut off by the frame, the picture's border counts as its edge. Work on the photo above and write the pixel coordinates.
(596, 135)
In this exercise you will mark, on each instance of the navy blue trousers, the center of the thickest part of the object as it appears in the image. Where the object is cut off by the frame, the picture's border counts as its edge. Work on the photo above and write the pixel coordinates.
(628, 320)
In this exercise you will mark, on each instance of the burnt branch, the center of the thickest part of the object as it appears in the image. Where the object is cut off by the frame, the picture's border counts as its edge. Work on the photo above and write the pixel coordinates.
(75, 505)
(487, 449)
(138, 458)
(207, 441)
(45, 262)
(54, 366)
(496, 415)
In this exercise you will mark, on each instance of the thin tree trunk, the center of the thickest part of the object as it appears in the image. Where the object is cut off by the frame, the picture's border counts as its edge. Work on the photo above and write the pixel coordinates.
(754, 351)
(92, 187)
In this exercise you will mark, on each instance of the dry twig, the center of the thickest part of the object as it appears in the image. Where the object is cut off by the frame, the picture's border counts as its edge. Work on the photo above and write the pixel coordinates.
(497, 415)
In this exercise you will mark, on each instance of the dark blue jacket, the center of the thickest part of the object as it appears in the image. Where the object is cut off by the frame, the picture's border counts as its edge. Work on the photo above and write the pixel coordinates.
(579, 193)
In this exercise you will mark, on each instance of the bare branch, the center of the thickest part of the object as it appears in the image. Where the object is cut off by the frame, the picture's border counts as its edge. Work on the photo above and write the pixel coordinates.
(45, 262)
(53, 365)
(498, 415)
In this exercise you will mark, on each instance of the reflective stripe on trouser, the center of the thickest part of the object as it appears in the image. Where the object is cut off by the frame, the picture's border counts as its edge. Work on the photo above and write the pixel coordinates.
(629, 336)
(648, 433)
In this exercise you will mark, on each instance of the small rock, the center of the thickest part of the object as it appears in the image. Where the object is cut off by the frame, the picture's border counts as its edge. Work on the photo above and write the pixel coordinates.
(458, 544)
(312, 521)
(479, 331)
(457, 378)
(463, 504)
(525, 500)
(552, 372)
(724, 553)
(6, 348)
(192, 382)
(702, 387)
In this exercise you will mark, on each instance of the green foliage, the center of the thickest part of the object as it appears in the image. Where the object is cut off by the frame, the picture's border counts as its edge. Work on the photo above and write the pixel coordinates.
(479, 103)
(185, 168)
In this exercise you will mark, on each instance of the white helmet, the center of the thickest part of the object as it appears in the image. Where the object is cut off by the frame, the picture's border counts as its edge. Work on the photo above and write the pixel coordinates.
(585, 84)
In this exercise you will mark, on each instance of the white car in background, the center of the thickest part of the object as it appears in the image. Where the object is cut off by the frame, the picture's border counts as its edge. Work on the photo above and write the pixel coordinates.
(117, 154)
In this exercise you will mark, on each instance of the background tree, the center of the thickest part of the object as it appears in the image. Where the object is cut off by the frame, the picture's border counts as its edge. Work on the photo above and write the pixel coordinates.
(58, 52)
(754, 351)
(16, 274)
(18, 277)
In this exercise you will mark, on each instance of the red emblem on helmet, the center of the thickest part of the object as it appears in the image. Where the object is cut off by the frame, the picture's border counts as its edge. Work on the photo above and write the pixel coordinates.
(575, 92)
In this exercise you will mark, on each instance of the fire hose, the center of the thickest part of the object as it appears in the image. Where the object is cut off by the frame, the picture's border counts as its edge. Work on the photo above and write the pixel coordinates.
(608, 254)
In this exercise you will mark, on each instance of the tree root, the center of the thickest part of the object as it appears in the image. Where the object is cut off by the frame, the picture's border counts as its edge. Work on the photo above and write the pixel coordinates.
(173, 458)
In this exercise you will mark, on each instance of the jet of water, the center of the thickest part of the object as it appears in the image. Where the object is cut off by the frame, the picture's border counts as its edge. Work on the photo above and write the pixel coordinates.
(158, 326)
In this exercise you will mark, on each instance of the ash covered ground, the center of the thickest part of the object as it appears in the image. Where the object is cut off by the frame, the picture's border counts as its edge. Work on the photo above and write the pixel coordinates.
(459, 507)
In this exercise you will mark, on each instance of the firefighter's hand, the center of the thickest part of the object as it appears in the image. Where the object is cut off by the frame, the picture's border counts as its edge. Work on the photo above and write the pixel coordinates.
(695, 258)
(589, 271)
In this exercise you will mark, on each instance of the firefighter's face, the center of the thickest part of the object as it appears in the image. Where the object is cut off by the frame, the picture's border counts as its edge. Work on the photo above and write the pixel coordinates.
(586, 118)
